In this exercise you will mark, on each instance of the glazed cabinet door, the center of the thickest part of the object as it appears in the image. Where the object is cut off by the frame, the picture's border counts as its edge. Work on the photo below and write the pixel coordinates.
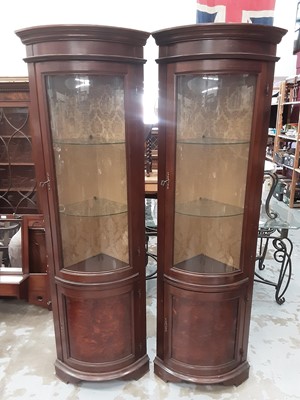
(91, 126)
(214, 114)
(213, 130)
(91, 167)
(87, 139)
(17, 168)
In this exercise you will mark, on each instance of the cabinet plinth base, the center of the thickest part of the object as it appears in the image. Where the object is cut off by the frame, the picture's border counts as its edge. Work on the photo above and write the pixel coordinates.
(14, 286)
(70, 375)
(234, 377)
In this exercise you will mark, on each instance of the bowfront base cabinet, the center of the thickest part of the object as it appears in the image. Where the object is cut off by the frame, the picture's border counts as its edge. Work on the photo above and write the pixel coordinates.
(215, 85)
(86, 84)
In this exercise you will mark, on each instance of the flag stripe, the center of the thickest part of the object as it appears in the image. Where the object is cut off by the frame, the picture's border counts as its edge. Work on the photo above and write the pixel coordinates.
(251, 11)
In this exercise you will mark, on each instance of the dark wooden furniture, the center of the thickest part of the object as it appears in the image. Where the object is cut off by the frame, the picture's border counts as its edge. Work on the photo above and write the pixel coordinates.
(86, 85)
(151, 150)
(151, 184)
(18, 197)
(151, 163)
(17, 170)
(215, 94)
(23, 259)
(13, 272)
(35, 260)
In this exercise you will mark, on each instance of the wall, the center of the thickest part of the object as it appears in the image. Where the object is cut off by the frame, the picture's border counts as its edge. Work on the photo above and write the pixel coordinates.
(285, 16)
(137, 14)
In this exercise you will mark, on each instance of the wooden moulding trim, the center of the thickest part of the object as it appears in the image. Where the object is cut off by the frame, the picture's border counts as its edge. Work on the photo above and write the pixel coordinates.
(233, 377)
(135, 370)
(206, 287)
(50, 33)
(83, 57)
(242, 31)
(96, 285)
(14, 86)
(210, 56)
(13, 79)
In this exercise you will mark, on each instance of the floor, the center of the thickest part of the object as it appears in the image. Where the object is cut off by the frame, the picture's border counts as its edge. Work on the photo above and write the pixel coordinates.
(27, 352)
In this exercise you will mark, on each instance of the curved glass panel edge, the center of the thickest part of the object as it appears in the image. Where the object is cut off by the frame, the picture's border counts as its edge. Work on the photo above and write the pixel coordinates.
(93, 207)
(97, 265)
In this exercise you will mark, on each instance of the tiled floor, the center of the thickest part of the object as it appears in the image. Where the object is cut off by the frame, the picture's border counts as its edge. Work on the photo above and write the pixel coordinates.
(27, 353)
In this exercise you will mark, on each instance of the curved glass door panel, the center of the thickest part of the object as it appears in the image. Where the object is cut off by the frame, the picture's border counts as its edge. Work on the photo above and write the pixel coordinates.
(88, 135)
(214, 118)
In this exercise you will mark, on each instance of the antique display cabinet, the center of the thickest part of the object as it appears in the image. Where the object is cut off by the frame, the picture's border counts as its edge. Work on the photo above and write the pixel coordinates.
(21, 253)
(215, 85)
(17, 170)
(86, 84)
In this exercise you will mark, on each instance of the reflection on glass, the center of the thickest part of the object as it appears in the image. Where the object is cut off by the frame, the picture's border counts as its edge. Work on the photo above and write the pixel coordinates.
(94, 207)
(208, 208)
(17, 174)
(14, 122)
(214, 118)
(88, 134)
(212, 141)
(10, 246)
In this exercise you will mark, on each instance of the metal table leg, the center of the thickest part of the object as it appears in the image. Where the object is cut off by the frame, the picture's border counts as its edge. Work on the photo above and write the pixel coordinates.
(283, 248)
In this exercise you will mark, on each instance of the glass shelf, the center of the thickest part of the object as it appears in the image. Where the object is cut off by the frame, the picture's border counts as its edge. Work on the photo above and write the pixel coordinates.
(16, 135)
(17, 164)
(212, 141)
(22, 189)
(208, 208)
(98, 264)
(88, 141)
(202, 264)
(94, 207)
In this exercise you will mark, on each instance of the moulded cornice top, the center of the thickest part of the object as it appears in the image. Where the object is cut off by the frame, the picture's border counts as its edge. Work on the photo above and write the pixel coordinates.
(49, 33)
(13, 84)
(184, 33)
(13, 79)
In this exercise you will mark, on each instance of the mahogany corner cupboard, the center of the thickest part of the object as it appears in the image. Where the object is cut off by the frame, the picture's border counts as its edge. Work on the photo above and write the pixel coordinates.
(86, 85)
(215, 88)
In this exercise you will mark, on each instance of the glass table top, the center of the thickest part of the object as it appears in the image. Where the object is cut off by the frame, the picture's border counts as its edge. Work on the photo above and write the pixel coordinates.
(287, 218)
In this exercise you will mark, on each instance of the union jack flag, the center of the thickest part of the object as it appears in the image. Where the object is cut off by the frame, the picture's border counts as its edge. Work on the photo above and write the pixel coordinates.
(248, 11)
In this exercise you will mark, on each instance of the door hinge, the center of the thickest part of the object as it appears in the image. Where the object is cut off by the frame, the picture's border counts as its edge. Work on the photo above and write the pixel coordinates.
(165, 182)
(267, 91)
(166, 325)
(47, 182)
